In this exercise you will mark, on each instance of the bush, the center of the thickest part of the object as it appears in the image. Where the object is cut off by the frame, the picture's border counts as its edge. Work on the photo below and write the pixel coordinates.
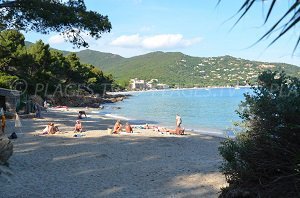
(6, 80)
(264, 159)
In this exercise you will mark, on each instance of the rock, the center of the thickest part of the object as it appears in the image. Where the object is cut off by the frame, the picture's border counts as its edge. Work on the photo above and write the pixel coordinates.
(6, 149)
(95, 105)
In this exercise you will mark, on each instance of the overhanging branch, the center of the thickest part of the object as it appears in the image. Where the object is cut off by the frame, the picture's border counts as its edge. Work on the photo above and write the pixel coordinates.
(8, 4)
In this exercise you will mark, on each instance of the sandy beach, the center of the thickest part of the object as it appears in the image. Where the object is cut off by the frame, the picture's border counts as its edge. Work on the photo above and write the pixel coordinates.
(99, 164)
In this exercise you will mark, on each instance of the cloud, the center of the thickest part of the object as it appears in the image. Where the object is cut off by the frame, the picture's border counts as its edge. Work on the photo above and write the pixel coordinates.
(59, 39)
(163, 41)
(56, 39)
(127, 41)
(156, 42)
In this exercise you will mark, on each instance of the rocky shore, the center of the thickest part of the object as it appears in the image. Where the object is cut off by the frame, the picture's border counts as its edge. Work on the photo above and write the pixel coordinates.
(84, 101)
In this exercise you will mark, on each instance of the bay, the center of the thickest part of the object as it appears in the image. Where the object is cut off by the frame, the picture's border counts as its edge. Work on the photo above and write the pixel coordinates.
(202, 110)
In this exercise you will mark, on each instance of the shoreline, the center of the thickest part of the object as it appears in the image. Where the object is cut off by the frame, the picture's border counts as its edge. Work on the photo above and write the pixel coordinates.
(207, 131)
(224, 128)
(174, 89)
(204, 131)
(98, 164)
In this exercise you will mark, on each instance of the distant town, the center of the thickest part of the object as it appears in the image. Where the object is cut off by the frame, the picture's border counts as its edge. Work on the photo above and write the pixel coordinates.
(137, 84)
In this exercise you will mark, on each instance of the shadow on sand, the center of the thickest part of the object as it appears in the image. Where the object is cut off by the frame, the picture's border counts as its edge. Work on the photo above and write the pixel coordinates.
(111, 166)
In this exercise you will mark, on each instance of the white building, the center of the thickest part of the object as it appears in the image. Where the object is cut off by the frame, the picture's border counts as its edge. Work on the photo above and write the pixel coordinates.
(136, 84)
(152, 84)
(162, 86)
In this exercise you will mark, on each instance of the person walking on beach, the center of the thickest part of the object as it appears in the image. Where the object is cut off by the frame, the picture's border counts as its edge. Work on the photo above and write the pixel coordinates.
(178, 120)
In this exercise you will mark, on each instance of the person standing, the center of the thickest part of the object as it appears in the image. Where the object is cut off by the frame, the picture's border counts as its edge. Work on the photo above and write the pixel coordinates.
(3, 123)
(45, 105)
(178, 120)
(38, 111)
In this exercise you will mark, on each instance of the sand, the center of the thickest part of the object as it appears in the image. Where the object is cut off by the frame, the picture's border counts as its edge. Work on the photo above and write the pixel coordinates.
(99, 164)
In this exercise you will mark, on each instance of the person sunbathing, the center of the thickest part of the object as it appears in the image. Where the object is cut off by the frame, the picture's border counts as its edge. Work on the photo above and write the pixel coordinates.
(128, 128)
(78, 126)
(117, 127)
(50, 128)
(177, 131)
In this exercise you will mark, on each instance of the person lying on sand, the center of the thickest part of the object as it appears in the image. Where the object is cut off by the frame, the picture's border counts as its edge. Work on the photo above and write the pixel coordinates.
(177, 131)
(128, 128)
(160, 129)
(117, 127)
(78, 126)
(150, 127)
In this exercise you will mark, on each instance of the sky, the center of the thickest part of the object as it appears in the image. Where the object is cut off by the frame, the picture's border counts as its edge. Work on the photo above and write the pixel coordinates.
(193, 27)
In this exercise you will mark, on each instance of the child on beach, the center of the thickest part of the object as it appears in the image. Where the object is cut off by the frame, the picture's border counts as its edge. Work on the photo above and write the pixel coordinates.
(117, 127)
(78, 126)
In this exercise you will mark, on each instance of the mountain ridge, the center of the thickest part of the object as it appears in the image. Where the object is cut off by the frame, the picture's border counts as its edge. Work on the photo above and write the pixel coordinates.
(176, 68)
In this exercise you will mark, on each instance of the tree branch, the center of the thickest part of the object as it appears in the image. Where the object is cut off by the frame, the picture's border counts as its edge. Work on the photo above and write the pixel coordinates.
(9, 4)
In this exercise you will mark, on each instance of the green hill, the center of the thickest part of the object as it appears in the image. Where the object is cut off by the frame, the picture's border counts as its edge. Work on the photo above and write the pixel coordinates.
(99, 59)
(175, 68)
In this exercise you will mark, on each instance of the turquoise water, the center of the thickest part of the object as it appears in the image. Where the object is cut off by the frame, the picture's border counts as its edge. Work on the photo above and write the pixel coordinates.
(203, 110)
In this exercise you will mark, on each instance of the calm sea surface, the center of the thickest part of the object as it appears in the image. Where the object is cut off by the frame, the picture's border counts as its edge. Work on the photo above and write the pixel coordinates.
(203, 110)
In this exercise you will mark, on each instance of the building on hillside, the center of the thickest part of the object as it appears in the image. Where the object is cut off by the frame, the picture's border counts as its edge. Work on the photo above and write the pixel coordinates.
(136, 84)
(162, 86)
(152, 84)
(9, 99)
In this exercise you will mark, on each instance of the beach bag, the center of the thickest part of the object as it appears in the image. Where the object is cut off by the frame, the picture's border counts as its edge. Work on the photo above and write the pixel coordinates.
(13, 136)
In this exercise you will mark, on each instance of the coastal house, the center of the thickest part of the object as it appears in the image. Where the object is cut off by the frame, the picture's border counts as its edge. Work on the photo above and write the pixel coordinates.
(152, 84)
(9, 99)
(136, 84)
(162, 86)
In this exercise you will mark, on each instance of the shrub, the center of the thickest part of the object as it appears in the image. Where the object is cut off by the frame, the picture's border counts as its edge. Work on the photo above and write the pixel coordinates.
(264, 158)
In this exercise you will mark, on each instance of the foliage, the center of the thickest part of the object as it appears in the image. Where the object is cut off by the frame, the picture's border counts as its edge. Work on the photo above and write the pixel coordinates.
(6, 80)
(47, 71)
(70, 18)
(175, 68)
(264, 159)
(288, 19)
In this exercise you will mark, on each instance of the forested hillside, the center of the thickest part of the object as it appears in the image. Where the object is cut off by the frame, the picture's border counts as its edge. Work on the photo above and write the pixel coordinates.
(175, 68)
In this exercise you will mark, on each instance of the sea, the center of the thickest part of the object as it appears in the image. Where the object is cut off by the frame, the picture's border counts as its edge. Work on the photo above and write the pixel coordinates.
(210, 111)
